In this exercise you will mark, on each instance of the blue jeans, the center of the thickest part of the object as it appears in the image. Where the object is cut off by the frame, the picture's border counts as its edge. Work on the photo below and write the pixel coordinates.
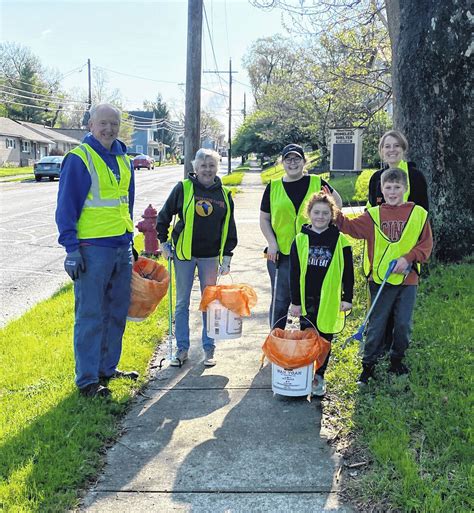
(184, 270)
(283, 298)
(102, 298)
(396, 299)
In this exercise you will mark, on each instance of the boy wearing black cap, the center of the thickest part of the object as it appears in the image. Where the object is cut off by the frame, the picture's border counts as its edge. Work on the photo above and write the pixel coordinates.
(282, 214)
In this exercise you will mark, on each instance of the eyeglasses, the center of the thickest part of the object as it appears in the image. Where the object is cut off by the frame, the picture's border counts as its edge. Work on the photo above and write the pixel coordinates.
(293, 160)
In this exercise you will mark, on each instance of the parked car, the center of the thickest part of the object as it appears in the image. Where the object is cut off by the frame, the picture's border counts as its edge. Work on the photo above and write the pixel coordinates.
(49, 167)
(143, 161)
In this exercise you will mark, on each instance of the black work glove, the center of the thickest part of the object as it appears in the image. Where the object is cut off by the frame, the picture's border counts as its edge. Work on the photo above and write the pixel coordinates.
(74, 264)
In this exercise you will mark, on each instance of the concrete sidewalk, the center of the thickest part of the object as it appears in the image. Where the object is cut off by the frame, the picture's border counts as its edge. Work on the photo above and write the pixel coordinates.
(216, 439)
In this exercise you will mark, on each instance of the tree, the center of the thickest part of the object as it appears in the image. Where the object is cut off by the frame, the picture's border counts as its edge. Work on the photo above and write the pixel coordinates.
(268, 61)
(165, 133)
(253, 136)
(432, 79)
(28, 92)
(211, 127)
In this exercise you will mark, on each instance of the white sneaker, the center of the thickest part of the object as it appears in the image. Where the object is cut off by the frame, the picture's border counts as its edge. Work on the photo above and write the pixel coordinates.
(179, 358)
(319, 386)
(209, 360)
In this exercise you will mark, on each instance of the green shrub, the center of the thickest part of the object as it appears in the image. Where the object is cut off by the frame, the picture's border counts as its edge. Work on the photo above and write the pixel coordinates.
(362, 185)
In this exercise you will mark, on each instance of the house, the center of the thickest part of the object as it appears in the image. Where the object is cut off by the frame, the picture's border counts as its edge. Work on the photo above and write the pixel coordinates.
(62, 143)
(21, 146)
(145, 133)
(75, 133)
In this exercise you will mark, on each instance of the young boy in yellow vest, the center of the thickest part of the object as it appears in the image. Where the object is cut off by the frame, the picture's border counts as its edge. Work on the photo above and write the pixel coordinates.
(321, 276)
(395, 230)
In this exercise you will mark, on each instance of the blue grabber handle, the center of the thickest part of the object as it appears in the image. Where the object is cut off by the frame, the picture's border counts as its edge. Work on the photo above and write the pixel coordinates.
(391, 267)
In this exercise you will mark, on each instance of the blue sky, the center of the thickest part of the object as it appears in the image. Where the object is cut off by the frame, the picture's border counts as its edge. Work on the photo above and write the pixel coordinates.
(145, 39)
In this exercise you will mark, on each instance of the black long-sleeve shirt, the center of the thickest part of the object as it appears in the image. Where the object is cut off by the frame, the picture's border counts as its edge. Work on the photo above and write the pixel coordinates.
(418, 187)
(209, 217)
(321, 249)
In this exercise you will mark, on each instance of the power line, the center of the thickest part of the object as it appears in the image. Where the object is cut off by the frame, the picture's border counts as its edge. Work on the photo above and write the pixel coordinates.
(212, 48)
(45, 100)
(135, 76)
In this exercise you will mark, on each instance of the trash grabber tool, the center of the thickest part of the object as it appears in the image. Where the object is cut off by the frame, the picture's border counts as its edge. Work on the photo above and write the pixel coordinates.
(170, 337)
(359, 335)
(275, 284)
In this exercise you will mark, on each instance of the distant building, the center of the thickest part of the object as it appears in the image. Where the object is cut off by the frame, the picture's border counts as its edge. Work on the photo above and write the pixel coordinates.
(21, 146)
(62, 143)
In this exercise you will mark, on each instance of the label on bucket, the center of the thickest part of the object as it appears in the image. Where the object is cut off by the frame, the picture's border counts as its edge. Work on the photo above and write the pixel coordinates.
(222, 323)
(292, 382)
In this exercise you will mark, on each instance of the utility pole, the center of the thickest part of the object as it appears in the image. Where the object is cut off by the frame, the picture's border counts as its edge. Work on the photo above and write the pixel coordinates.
(89, 78)
(192, 119)
(244, 112)
(229, 169)
(87, 115)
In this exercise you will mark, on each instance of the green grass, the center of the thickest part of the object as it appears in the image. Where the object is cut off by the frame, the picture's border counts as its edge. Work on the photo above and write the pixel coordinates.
(52, 440)
(416, 431)
(14, 171)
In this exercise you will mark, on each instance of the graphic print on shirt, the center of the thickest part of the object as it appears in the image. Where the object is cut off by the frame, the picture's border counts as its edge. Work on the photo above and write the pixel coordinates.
(205, 206)
(393, 229)
(319, 256)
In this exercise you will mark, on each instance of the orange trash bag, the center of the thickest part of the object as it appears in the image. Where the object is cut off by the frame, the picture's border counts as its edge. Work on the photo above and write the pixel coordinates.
(292, 349)
(150, 281)
(238, 297)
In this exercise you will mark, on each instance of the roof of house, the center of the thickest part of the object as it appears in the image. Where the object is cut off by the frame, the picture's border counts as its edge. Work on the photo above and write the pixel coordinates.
(13, 129)
(50, 133)
(141, 114)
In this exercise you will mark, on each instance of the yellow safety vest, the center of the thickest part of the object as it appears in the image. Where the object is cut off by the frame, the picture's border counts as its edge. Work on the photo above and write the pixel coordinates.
(286, 222)
(386, 250)
(185, 238)
(106, 210)
(330, 318)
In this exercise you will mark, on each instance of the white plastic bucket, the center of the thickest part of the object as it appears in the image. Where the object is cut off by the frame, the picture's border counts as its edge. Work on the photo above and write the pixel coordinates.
(222, 323)
(292, 382)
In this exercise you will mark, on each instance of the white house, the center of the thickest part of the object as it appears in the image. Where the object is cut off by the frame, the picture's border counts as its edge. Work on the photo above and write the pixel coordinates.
(21, 146)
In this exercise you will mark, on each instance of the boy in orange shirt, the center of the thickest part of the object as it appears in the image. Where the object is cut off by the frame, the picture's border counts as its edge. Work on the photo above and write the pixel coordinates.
(394, 230)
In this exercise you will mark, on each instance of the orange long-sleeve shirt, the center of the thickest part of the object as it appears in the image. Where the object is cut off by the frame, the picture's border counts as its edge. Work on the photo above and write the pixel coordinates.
(392, 223)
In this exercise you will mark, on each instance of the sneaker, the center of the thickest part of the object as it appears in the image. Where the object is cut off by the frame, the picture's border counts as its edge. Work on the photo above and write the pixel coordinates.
(209, 360)
(319, 386)
(132, 375)
(397, 367)
(366, 374)
(94, 390)
(179, 358)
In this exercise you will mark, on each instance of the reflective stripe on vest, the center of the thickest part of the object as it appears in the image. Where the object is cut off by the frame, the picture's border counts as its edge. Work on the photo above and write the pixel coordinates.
(385, 250)
(286, 223)
(185, 238)
(330, 318)
(106, 210)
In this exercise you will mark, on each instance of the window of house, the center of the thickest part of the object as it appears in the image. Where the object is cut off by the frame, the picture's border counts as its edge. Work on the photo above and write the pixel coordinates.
(139, 148)
(25, 146)
(10, 143)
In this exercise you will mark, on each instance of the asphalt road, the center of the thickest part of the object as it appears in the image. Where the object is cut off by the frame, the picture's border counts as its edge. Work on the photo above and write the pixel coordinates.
(31, 260)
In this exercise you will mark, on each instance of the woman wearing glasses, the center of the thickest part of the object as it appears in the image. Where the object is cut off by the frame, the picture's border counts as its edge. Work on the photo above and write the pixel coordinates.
(282, 214)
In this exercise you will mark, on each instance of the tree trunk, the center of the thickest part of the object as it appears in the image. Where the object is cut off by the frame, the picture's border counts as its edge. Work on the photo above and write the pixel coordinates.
(432, 83)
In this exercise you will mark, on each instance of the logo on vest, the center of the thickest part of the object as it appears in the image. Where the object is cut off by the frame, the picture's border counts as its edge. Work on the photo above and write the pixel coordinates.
(204, 208)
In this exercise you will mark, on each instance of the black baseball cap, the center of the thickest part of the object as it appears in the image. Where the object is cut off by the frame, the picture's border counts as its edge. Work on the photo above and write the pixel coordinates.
(292, 148)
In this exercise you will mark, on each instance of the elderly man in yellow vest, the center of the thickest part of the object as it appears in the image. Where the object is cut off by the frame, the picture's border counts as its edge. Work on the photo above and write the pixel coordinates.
(94, 218)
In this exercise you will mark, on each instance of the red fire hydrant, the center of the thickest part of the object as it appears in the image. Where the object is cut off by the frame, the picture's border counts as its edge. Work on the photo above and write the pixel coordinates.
(148, 228)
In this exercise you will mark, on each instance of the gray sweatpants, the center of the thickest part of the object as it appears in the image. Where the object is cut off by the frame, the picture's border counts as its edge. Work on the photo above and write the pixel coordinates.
(400, 299)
